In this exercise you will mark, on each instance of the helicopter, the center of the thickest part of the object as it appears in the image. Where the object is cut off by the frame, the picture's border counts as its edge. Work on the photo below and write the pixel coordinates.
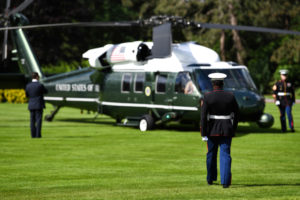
(143, 84)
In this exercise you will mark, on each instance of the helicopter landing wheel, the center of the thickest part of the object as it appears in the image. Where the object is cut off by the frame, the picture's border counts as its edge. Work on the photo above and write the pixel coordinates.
(48, 118)
(118, 120)
(146, 123)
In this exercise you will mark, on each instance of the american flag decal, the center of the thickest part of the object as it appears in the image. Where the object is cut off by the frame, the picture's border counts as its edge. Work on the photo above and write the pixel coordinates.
(118, 54)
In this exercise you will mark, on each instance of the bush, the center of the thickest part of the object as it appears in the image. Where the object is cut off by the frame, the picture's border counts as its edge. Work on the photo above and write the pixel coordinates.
(13, 96)
(1, 95)
(62, 67)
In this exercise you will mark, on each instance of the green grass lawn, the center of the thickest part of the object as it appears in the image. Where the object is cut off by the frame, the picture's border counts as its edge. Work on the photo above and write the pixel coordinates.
(82, 158)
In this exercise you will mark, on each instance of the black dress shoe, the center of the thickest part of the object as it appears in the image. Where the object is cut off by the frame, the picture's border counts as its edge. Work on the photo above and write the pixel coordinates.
(209, 182)
(293, 130)
(225, 186)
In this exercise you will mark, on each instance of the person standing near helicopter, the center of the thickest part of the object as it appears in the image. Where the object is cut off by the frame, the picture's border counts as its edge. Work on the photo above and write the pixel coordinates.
(284, 97)
(219, 119)
(35, 92)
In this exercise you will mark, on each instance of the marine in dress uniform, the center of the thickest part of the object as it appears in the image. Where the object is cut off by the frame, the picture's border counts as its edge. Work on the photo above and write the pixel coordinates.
(35, 92)
(219, 119)
(284, 96)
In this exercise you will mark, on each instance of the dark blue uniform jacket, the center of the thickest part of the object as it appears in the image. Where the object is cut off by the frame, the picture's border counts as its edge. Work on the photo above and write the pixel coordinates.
(35, 92)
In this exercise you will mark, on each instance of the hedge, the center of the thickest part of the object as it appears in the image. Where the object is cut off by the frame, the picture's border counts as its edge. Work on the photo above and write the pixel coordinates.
(13, 96)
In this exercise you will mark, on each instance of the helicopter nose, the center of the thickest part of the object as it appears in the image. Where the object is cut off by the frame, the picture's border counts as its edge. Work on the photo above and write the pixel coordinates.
(246, 98)
(250, 103)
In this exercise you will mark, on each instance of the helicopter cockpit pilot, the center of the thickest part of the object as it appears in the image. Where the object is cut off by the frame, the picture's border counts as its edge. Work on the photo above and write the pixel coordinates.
(219, 119)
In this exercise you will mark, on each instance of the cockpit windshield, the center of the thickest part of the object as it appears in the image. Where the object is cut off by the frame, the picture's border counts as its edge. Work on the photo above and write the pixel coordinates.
(237, 79)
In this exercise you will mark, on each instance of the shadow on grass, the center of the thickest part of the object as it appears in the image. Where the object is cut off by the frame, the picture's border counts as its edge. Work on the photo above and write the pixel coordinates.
(88, 121)
(244, 130)
(179, 127)
(174, 126)
(267, 185)
(69, 136)
(241, 131)
(76, 137)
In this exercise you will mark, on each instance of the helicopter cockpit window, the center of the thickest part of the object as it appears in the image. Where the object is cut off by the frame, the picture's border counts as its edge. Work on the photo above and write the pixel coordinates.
(161, 81)
(126, 80)
(139, 83)
(184, 83)
(238, 78)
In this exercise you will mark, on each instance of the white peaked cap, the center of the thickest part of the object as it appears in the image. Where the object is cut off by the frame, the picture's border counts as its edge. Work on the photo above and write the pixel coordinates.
(283, 71)
(217, 76)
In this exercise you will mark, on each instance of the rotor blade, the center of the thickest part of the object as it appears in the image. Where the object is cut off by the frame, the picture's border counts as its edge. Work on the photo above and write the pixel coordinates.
(179, 21)
(162, 40)
(7, 4)
(246, 28)
(77, 24)
(21, 7)
(4, 51)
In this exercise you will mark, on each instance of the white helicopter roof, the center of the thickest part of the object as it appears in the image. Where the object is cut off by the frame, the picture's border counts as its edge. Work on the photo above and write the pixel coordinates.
(191, 52)
(124, 57)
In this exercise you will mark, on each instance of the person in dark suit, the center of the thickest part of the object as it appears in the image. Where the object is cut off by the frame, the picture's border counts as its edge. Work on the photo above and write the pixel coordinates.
(284, 96)
(35, 92)
(219, 119)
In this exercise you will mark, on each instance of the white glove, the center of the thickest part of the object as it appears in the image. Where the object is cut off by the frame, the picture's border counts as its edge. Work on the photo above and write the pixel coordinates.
(277, 103)
(204, 139)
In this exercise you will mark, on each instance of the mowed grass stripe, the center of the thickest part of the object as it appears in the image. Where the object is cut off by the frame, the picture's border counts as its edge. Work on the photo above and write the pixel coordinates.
(80, 157)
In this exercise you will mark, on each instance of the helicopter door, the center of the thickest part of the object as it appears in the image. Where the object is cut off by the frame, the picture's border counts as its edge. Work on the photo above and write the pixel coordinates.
(186, 96)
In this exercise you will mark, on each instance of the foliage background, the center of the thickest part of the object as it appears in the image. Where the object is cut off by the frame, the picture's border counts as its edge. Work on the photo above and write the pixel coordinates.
(60, 49)
(13, 96)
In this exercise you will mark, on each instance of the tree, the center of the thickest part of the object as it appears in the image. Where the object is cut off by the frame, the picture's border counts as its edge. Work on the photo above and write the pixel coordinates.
(66, 44)
(263, 53)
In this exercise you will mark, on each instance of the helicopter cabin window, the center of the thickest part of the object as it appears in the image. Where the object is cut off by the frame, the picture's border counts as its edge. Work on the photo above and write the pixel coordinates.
(139, 83)
(126, 80)
(161, 81)
(184, 83)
